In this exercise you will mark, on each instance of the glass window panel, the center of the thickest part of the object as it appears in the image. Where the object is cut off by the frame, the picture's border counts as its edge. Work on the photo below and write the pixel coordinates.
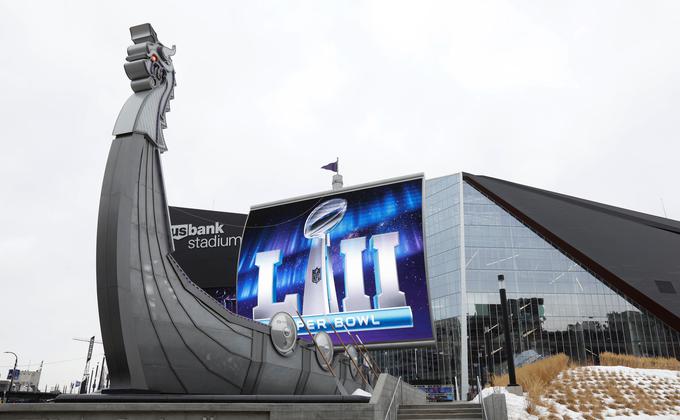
(557, 305)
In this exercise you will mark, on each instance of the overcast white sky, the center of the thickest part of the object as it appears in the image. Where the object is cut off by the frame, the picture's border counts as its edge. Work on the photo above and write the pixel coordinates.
(576, 97)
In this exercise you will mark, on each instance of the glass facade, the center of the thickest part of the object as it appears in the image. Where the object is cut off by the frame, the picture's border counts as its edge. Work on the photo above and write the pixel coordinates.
(556, 306)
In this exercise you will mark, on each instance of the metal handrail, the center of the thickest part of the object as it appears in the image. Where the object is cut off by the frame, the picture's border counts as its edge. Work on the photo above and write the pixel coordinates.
(394, 394)
(481, 400)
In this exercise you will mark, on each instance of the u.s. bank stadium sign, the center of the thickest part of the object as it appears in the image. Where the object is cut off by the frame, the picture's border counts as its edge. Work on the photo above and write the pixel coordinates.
(204, 236)
(353, 260)
(206, 247)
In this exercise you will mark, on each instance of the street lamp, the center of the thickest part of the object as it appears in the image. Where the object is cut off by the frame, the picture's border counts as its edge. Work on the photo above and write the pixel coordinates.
(11, 379)
(506, 328)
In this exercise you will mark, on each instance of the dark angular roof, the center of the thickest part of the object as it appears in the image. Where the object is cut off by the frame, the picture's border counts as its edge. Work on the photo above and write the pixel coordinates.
(636, 253)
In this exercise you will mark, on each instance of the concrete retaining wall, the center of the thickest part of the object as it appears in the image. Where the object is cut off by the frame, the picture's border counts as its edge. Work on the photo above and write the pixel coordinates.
(375, 409)
(184, 411)
(382, 395)
(495, 406)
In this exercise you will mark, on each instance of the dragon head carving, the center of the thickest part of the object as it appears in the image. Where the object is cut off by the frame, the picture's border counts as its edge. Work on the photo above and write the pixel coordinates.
(152, 79)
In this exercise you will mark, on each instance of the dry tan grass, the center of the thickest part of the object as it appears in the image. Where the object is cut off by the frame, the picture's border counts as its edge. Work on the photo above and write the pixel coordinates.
(592, 392)
(531, 408)
(536, 376)
(611, 390)
(612, 359)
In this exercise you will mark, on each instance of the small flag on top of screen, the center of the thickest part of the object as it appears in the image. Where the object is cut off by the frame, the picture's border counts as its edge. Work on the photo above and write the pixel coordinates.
(333, 166)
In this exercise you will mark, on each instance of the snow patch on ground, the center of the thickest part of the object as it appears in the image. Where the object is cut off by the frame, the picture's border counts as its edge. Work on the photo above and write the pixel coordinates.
(659, 373)
(644, 416)
(659, 385)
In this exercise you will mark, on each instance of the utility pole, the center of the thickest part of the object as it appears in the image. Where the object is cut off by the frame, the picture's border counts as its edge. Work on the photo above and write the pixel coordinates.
(11, 379)
(94, 378)
(101, 374)
(86, 373)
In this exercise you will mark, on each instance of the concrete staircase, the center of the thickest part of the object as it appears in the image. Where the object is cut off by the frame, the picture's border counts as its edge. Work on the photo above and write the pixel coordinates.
(458, 411)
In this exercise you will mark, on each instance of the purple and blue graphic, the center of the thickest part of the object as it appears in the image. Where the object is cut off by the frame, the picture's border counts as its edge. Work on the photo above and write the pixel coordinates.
(352, 260)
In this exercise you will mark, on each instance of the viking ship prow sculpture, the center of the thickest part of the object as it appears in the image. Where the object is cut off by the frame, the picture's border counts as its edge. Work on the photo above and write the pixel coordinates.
(162, 333)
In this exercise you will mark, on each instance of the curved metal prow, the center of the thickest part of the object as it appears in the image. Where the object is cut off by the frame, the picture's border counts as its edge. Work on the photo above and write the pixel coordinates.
(161, 332)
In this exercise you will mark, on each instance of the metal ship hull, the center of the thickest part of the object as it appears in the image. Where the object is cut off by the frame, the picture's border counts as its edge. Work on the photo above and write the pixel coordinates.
(161, 332)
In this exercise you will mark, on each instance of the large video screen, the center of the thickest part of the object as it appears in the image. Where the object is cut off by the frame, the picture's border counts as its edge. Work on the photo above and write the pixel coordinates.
(350, 261)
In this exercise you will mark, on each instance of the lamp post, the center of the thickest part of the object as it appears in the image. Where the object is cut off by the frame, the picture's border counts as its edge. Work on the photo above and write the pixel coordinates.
(506, 331)
(11, 379)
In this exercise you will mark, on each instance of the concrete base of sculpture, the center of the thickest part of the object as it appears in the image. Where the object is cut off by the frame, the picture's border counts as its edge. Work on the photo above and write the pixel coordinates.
(301, 407)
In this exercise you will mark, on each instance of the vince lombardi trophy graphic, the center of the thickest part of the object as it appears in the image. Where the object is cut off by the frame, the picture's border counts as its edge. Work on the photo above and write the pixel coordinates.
(320, 297)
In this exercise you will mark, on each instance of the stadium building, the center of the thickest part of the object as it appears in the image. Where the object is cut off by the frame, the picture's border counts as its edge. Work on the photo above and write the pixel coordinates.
(582, 278)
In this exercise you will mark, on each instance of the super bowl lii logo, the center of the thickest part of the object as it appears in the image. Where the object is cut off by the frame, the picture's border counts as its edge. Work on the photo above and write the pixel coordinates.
(320, 308)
